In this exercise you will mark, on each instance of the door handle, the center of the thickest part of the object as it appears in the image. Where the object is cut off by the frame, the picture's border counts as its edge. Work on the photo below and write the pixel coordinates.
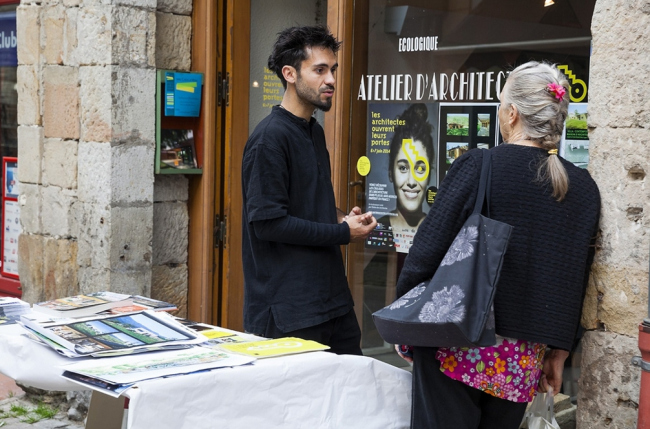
(356, 183)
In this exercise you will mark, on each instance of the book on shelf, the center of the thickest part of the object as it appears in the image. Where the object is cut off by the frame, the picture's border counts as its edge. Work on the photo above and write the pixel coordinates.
(82, 305)
(111, 335)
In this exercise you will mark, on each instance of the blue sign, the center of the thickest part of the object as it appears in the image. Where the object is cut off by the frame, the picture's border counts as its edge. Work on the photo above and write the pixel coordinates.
(8, 52)
(183, 94)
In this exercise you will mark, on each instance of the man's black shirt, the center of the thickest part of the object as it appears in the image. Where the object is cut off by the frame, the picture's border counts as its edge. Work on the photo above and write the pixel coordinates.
(291, 238)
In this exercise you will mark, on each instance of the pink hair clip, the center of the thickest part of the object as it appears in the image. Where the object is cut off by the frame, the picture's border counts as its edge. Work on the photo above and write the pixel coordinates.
(557, 90)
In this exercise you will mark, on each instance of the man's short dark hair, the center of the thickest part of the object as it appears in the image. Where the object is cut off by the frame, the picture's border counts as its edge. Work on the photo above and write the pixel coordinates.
(289, 49)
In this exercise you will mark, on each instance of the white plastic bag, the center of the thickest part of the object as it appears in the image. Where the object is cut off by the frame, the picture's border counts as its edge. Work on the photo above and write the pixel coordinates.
(540, 415)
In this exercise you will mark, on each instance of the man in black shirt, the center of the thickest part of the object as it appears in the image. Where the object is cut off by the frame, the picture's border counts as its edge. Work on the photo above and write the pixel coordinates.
(294, 276)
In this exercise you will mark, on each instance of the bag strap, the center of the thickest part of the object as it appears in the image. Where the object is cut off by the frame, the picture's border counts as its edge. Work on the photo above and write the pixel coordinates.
(484, 185)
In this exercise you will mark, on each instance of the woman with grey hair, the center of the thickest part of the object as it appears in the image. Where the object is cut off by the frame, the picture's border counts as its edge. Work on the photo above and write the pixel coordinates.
(554, 208)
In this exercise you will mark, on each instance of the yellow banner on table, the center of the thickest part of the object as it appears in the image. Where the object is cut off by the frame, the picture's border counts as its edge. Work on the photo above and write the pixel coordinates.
(277, 347)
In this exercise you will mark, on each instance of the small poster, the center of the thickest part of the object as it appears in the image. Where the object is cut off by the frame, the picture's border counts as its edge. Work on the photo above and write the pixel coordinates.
(183, 94)
(11, 218)
(11, 231)
(574, 146)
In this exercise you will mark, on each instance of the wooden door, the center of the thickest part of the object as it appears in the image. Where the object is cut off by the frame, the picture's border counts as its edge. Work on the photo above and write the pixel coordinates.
(228, 287)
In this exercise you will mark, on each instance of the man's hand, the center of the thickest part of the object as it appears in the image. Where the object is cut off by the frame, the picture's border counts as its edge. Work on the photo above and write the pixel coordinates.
(343, 217)
(361, 225)
(552, 371)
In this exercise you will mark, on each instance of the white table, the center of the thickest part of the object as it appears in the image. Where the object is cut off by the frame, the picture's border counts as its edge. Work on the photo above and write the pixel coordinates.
(310, 390)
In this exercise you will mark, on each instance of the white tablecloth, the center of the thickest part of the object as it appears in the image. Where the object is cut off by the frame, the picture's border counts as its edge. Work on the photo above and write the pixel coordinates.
(310, 390)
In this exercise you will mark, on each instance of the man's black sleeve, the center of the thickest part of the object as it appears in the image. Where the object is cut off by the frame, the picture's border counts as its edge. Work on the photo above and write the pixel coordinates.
(292, 230)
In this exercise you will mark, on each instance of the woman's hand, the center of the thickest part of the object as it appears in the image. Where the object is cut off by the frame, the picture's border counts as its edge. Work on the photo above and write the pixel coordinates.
(553, 370)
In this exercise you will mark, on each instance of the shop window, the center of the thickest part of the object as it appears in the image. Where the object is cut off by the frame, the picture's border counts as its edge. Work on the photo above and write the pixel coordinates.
(9, 284)
(444, 63)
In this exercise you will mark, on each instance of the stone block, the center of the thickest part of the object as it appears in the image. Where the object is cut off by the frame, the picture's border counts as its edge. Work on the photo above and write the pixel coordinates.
(622, 297)
(71, 3)
(31, 203)
(94, 234)
(134, 105)
(60, 268)
(94, 173)
(79, 402)
(134, 35)
(170, 237)
(566, 419)
(589, 318)
(52, 34)
(94, 34)
(95, 103)
(59, 218)
(169, 283)
(618, 92)
(132, 282)
(170, 188)
(28, 32)
(28, 89)
(30, 154)
(30, 266)
(615, 27)
(173, 41)
(178, 7)
(151, 41)
(146, 4)
(60, 163)
(131, 238)
(70, 42)
(561, 402)
(132, 173)
(93, 279)
(619, 162)
(61, 102)
(618, 29)
(608, 394)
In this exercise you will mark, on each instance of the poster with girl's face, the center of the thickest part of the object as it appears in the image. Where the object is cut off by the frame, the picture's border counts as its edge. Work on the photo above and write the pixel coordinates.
(402, 181)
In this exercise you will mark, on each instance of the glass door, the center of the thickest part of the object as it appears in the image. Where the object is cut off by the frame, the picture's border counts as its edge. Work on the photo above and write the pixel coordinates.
(426, 78)
(268, 18)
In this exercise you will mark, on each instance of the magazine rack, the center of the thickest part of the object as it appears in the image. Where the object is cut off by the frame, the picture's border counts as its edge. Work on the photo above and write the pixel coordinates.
(179, 139)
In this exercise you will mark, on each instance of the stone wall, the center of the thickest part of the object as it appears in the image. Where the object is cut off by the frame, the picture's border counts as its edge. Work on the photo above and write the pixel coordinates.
(170, 214)
(619, 161)
(93, 215)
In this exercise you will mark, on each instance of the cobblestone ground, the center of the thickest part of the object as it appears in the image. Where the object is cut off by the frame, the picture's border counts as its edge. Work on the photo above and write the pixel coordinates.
(8, 420)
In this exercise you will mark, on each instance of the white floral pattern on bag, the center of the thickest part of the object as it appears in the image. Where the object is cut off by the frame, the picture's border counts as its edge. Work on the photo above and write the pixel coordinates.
(462, 247)
(445, 306)
(413, 293)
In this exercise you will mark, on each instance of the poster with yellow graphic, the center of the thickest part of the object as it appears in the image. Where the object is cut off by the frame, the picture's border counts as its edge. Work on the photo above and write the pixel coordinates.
(402, 180)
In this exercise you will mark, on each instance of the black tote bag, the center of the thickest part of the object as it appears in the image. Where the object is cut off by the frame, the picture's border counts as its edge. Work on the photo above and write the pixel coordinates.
(454, 308)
